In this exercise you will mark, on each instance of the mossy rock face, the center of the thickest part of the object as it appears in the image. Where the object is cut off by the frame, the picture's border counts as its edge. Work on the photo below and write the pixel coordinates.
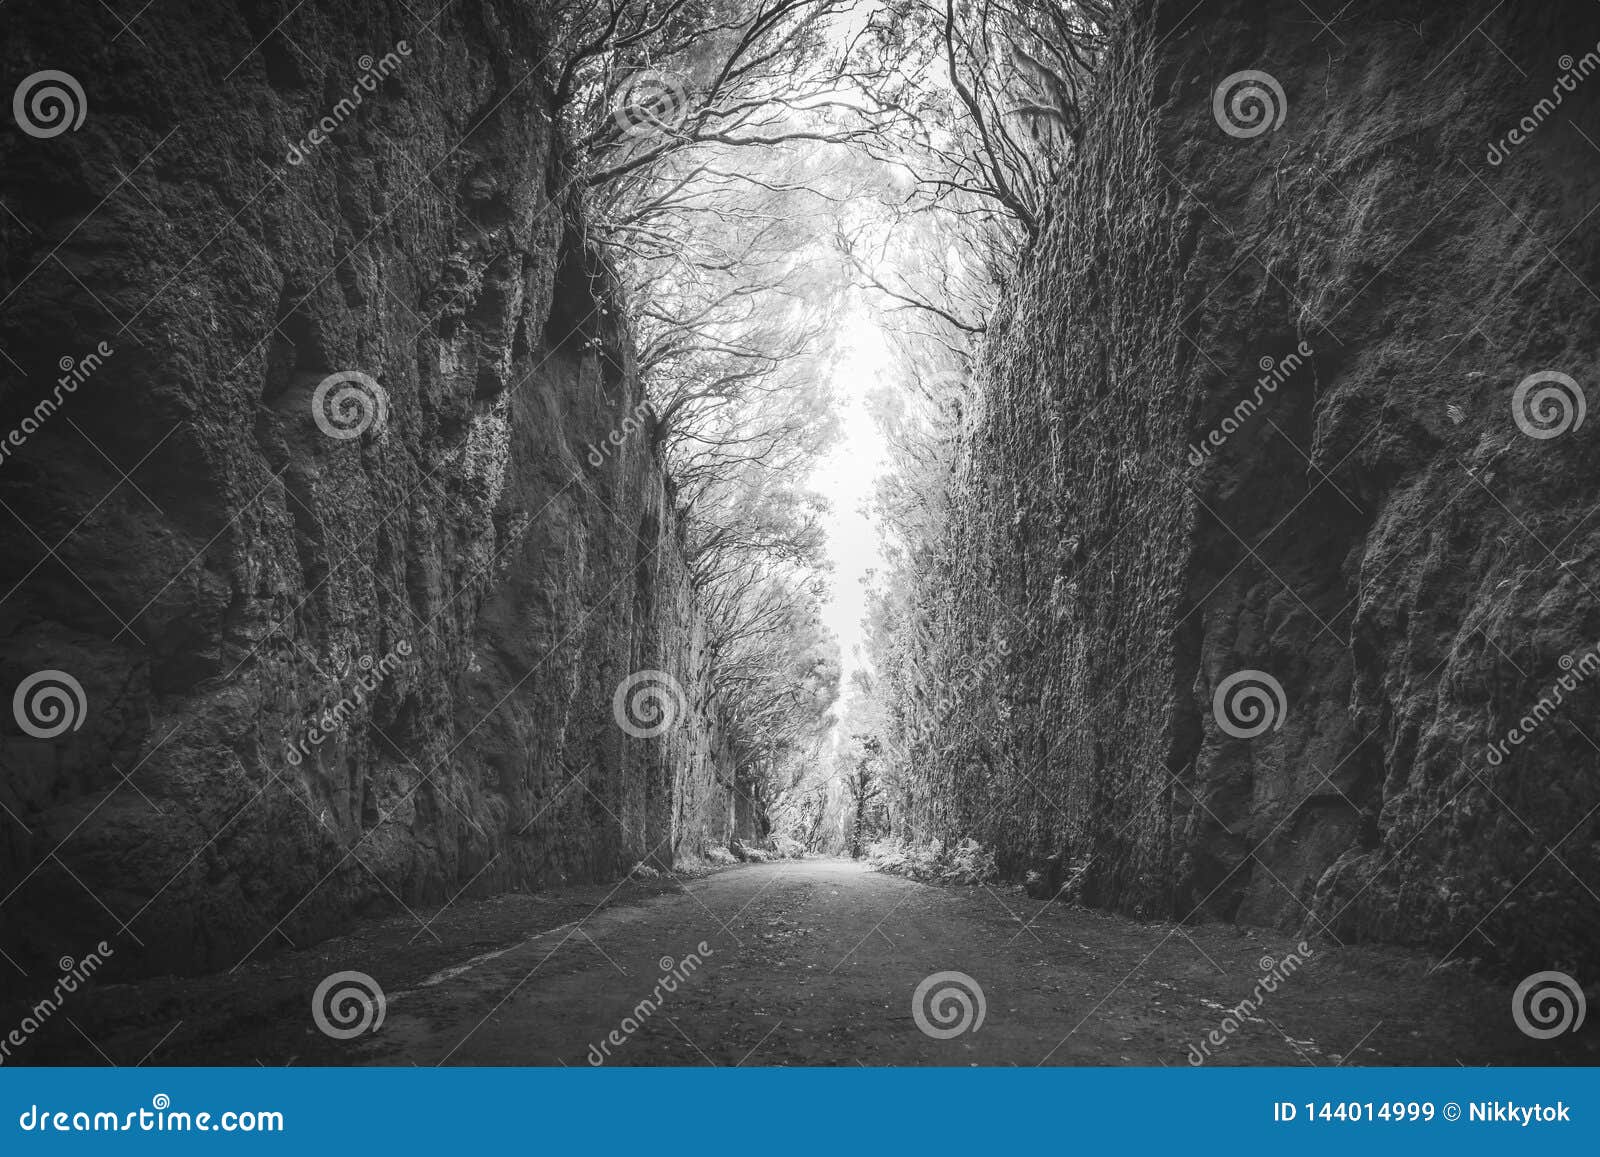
(1248, 408)
(339, 664)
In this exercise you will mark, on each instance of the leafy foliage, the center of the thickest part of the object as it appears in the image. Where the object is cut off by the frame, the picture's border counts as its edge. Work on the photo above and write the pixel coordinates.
(965, 862)
(792, 155)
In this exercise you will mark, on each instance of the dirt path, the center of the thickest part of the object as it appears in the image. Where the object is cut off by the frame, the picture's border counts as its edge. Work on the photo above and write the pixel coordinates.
(815, 962)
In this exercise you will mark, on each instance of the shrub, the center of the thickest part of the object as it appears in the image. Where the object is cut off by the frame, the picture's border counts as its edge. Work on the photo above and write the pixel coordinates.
(773, 848)
(966, 862)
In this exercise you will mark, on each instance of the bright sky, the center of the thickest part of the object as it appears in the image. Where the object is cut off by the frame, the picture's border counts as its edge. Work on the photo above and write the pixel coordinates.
(846, 477)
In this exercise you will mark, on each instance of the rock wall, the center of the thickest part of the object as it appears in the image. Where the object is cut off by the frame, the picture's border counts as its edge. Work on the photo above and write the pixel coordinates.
(322, 670)
(1372, 529)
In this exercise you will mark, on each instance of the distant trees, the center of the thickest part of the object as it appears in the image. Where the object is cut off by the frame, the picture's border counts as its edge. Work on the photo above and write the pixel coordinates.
(1018, 69)
(980, 155)
(723, 73)
(750, 167)
(782, 684)
(701, 131)
(862, 783)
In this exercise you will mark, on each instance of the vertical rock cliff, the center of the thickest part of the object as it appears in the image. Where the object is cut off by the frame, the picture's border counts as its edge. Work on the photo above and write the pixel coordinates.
(1257, 408)
(340, 643)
